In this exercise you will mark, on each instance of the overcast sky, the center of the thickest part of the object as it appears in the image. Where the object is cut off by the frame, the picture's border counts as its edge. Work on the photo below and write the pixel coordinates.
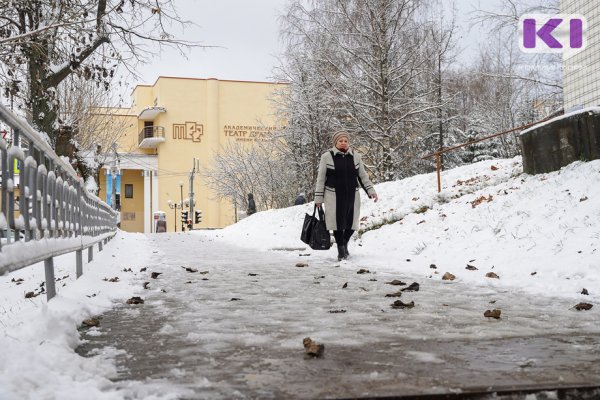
(246, 31)
(248, 35)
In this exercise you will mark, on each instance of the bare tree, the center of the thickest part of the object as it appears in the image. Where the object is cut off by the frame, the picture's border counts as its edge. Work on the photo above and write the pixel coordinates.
(507, 15)
(42, 42)
(372, 72)
(541, 69)
(502, 87)
(306, 104)
(441, 42)
(241, 168)
(95, 123)
(490, 100)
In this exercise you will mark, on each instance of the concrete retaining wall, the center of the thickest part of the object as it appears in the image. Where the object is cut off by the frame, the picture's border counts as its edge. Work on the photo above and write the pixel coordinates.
(561, 141)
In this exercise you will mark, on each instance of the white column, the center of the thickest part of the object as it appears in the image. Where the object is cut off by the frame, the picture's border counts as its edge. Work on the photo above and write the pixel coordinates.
(155, 193)
(148, 213)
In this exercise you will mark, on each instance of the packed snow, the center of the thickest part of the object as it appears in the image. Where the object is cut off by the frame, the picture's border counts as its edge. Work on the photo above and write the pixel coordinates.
(539, 234)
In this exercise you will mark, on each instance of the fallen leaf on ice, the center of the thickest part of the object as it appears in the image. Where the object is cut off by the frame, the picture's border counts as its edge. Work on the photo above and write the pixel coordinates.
(414, 287)
(583, 306)
(448, 277)
(495, 313)
(91, 322)
(399, 304)
(312, 348)
(397, 294)
(135, 300)
(396, 282)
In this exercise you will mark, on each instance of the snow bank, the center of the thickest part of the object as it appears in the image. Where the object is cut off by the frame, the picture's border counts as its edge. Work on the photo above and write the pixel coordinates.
(279, 229)
(539, 234)
(38, 338)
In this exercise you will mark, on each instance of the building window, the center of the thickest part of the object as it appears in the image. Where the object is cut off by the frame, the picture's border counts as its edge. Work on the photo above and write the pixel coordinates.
(129, 191)
(148, 129)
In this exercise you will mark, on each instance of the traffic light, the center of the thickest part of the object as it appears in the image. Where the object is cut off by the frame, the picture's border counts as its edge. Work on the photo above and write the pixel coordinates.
(198, 216)
(184, 217)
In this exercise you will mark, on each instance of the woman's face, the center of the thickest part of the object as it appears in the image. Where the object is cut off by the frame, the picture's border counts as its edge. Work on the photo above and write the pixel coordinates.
(342, 143)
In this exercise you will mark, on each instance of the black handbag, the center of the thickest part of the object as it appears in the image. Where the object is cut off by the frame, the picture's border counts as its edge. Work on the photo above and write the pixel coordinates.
(309, 223)
(314, 231)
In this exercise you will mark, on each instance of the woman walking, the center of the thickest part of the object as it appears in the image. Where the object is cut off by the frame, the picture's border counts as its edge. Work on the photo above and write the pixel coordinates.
(340, 172)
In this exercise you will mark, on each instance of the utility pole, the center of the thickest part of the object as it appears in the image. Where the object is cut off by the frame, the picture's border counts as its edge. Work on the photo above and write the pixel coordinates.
(191, 193)
(181, 205)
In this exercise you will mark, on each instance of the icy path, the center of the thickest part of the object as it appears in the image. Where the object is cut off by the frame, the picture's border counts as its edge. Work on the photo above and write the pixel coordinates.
(191, 339)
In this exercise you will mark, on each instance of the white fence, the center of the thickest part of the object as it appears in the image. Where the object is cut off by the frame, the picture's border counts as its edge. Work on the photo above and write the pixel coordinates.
(53, 214)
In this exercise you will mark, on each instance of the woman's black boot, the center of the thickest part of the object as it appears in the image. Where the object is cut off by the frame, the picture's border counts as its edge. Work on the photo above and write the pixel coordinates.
(341, 252)
(347, 235)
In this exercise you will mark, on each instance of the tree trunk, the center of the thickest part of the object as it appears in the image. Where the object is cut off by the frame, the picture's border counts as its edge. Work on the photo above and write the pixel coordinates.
(43, 112)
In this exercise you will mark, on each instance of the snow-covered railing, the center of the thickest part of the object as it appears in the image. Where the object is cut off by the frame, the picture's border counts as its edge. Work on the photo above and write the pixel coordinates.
(52, 214)
(438, 154)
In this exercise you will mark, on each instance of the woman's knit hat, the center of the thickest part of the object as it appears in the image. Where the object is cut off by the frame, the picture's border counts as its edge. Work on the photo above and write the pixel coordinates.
(339, 134)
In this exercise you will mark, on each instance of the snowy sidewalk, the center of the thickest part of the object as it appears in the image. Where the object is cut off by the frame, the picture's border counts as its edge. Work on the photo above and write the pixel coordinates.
(234, 329)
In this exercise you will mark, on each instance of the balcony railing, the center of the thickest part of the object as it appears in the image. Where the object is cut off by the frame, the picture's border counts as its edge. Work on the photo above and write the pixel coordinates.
(151, 137)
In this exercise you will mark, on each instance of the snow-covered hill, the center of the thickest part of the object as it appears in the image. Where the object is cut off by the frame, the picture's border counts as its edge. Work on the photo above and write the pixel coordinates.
(537, 233)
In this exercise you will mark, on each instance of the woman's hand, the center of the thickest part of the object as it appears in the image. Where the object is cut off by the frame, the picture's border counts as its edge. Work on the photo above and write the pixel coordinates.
(374, 197)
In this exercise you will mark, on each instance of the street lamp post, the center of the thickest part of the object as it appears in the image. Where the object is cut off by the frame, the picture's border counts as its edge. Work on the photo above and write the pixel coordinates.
(174, 207)
(181, 204)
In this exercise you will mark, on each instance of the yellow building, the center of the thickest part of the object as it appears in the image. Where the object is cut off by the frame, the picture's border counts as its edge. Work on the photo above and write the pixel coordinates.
(168, 126)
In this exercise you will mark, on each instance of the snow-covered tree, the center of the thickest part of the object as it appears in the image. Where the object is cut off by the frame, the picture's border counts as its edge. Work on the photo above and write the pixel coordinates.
(537, 74)
(504, 88)
(241, 168)
(373, 69)
(438, 64)
(43, 42)
(306, 104)
(94, 122)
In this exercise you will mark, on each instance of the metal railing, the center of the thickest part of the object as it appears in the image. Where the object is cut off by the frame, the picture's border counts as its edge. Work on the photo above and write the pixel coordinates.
(438, 153)
(149, 132)
(55, 214)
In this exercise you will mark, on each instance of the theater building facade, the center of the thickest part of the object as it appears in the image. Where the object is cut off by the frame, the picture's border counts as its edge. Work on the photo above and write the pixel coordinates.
(174, 127)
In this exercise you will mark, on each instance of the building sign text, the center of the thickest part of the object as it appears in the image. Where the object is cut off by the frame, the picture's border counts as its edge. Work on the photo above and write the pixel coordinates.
(188, 131)
(248, 133)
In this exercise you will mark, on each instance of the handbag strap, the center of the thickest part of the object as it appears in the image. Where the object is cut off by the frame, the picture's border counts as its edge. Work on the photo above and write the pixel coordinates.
(321, 214)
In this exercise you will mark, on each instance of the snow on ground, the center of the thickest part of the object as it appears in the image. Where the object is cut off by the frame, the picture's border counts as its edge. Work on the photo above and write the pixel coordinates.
(540, 234)
(537, 233)
(274, 229)
(37, 337)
